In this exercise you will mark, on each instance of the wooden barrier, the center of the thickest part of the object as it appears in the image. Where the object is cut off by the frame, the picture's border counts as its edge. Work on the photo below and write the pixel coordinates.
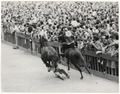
(102, 65)
(36, 46)
(24, 40)
(9, 37)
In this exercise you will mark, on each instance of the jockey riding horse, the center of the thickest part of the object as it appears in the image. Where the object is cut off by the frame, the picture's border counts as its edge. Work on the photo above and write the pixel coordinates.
(73, 54)
(50, 58)
(67, 40)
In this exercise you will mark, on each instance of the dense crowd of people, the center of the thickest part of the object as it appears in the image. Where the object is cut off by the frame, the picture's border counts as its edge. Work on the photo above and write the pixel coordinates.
(92, 25)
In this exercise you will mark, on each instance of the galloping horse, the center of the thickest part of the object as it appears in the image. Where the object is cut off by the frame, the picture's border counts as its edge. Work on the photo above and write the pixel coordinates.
(48, 54)
(75, 57)
(51, 59)
(73, 54)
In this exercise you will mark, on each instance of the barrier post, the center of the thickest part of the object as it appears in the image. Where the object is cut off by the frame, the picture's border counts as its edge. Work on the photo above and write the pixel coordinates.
(16, 41)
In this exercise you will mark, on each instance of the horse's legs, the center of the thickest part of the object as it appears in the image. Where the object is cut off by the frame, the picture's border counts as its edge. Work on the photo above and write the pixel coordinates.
(68, 63)
(87, 69)
(76, 66)
(65, 73)
(59, 77)
(85, 64)
(55, 65)
(45, 62)
(49, 66)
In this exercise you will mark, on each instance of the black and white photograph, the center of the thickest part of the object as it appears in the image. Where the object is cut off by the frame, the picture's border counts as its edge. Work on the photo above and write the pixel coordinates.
(59, 46)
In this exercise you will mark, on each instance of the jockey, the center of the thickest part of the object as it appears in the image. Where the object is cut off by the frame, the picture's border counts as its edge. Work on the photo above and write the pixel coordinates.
(69, 40)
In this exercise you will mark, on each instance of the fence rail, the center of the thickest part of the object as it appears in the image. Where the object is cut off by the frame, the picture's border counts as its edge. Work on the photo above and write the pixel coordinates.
(9, 37)
(101, 65)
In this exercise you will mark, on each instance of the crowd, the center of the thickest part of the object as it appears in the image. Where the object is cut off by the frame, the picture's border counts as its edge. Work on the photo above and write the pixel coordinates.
(93, 25)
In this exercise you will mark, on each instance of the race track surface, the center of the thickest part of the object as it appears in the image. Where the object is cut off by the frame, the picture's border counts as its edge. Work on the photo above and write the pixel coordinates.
(23, 72)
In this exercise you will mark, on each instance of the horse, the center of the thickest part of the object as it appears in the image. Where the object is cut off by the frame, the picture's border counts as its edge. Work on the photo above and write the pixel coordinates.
(50, 57)
(74, 56)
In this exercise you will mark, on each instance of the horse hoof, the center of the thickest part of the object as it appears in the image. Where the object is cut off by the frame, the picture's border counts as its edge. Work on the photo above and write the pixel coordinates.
(81, 78)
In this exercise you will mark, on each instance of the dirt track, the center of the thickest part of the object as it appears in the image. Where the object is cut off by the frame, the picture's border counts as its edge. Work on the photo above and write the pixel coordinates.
(22, 72)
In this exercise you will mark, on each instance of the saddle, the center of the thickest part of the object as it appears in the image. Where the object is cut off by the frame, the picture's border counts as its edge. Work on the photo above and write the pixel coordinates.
(65, 46)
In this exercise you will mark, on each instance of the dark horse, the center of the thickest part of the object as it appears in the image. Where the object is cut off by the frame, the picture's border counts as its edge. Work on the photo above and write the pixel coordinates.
(51, 59)
(75, 57)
